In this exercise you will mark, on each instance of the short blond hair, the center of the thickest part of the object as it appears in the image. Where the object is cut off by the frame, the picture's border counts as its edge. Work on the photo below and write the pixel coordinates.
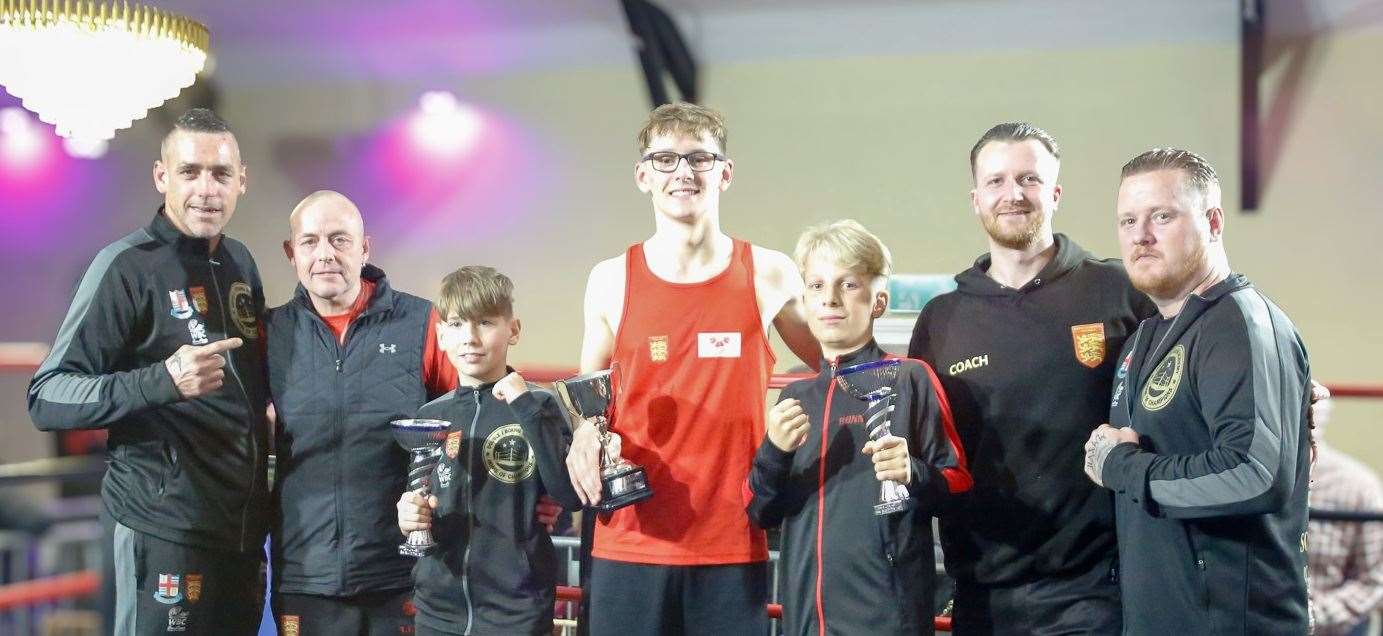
(683, 119)
(850, 245)
(474, 292)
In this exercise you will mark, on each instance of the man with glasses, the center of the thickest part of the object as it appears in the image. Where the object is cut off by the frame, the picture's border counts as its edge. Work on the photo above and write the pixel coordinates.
(685, 315)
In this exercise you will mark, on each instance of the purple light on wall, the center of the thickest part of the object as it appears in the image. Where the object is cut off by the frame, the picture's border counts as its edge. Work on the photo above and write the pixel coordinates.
(41, 188)
(447, 170)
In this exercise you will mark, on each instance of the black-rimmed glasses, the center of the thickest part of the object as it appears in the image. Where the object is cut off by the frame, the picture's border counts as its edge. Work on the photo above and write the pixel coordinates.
(699, 161)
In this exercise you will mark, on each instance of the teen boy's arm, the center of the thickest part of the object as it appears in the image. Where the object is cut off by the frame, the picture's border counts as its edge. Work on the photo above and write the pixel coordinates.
(545, 427)
(778, 286)
(604, 294)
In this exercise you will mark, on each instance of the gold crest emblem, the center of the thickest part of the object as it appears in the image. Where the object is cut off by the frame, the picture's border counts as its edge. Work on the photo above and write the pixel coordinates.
(242, 309)
(507, 455)
(1089, 343)
(453, 445)
(192, 587)
(288, 625)
(657, 348)
(1162, 384)
(198, 298)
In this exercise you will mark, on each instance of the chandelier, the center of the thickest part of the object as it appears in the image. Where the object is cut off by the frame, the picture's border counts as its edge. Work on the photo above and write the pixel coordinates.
(92, 68)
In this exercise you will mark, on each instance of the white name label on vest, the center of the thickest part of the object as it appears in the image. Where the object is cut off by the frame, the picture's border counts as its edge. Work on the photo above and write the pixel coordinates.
(720, 344)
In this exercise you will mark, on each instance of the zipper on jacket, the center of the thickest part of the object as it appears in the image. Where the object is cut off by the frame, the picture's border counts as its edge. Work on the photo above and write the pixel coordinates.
(821, 501)
(470, 518)
(212, 264)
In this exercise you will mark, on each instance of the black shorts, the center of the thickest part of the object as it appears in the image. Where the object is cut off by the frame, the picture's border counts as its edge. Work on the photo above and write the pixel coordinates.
(1079, 603)
(163, 587)
(388, 613)
(634, 599)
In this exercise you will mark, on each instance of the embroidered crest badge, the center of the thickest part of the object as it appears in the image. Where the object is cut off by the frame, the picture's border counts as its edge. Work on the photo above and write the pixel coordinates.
(1089, 343)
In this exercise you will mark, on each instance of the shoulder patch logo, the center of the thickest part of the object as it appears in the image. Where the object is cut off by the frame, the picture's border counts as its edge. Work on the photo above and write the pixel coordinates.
(1162, 384)
(507, 455)
(242, 309)
(1089, 343)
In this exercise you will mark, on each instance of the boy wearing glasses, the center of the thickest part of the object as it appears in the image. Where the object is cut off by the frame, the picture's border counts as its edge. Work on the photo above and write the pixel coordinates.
(686, 315)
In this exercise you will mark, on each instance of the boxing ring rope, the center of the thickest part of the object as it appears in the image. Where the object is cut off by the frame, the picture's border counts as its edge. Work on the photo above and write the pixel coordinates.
(25, 358)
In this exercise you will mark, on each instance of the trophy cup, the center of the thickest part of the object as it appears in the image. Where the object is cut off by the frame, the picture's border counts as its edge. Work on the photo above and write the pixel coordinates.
(873, 382)
(589, 396)
(423, 441)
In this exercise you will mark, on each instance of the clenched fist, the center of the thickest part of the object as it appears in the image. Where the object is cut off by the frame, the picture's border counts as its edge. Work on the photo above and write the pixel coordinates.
(197, 371)
(787, 425)
(510, 387)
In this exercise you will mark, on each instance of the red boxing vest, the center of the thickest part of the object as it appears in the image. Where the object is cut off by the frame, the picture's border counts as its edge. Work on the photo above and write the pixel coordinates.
(694, 365)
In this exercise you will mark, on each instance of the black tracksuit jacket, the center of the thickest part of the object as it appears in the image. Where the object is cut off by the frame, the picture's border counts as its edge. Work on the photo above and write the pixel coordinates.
(339, 471)
(1211, 504)
(1028, 374)
(187, 471)
(496, 569)
(840, 564)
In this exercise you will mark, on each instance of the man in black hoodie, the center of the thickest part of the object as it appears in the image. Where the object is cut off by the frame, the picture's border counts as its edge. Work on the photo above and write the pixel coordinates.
(160, 347)
(1209, 451)
(1023, 348)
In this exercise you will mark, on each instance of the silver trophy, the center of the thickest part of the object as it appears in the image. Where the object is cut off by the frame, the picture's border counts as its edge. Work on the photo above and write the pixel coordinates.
(590, 396)
(873, 382)
(423, 441)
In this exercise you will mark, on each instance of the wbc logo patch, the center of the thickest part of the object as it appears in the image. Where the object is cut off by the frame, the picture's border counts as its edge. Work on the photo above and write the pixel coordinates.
(1089, 343)
(722, 344)
(288, 625)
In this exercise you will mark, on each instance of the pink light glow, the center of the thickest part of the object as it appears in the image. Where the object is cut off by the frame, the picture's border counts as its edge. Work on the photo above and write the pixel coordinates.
(26, 146)
(444, 127)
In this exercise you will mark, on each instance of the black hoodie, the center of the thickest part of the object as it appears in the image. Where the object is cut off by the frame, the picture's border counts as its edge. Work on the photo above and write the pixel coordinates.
(496, 570)
(843, 566)
(1028, 373)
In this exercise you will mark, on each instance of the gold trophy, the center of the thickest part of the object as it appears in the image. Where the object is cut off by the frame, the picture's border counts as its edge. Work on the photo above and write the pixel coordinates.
(590, 396)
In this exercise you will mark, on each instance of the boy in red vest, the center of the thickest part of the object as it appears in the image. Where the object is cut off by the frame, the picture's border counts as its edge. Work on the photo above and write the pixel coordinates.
(686, 315)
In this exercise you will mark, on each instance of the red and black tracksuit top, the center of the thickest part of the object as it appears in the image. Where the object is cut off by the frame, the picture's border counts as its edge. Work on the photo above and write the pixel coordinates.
(843, 569)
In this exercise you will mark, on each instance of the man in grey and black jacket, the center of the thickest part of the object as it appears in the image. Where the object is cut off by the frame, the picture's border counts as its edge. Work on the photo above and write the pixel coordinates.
(1208, 455)
(160, 346)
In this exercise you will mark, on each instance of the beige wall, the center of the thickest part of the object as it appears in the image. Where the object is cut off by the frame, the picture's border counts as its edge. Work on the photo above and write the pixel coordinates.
(884, 140)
